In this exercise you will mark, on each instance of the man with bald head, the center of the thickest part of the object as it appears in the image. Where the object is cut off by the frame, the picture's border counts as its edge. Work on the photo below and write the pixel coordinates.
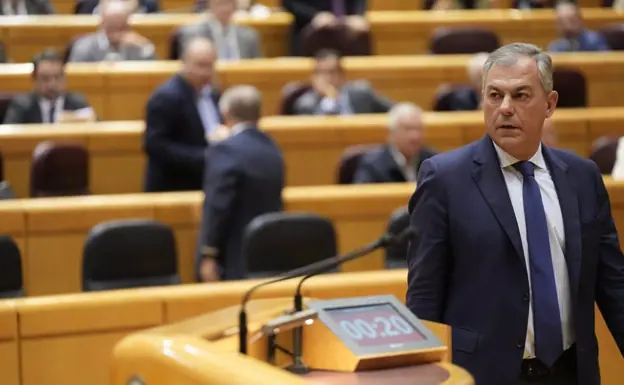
(574, 36)
(115, 40)
(468, 97)
(181, 117)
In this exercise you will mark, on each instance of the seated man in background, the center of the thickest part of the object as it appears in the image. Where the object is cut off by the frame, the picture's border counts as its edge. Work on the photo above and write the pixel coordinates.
(26, 7)
(181, 115)
(324, 13)
(468, 98)
(574, 36)
(115, 40)
(331, 94)
(400, 159)
(50, 102)
(233, 42)
(93, 7)
(244, 179)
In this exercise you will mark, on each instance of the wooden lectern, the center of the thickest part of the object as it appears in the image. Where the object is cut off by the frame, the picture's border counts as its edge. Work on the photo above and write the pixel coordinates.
(338, 346)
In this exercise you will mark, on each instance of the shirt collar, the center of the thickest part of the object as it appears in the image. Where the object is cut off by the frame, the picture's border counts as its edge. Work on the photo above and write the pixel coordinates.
(507, 160)
(240, 127)
(398, 157)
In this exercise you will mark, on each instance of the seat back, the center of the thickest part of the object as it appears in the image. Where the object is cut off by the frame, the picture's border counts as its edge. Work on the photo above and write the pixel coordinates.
(11, 285)
(614, 34)
(463, 40)
(277, 242)
(175, 46)
(604, 153)
(396, 255)
(129, 253)
(571, 86)
(5, 101)
(339, 37)
(59, 169)
(290, 93)
(349, 162)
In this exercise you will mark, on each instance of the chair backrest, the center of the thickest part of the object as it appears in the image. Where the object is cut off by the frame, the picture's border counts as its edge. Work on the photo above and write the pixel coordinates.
(614, 34)
(277, 242)
(604, 152)
(5, 101)
(571, 86)
(59, 169)
(290, 93)
(10, 269)
(463, 40)
(338, 38)
(1, 167)
(350, 160)
(396, 255)
(174, 44)
(129, 253)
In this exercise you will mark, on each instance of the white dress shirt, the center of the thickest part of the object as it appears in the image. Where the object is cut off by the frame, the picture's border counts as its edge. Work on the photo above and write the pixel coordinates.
(556, 236)
(45, 105)
(407, 169)
(227, 44)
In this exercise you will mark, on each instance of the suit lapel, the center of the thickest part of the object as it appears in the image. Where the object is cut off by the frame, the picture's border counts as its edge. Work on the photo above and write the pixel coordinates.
(35, 109)
(489, 178)
(568, 201)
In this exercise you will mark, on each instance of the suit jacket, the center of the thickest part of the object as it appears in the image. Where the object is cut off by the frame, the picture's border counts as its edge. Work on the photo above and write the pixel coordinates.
(94, 48)
(463, 98)
(36, 7)
(174, 138)
(467, 268)
(379, 166)
(361, 97)
(588, 41)
(90, 7)
(247, 39)
(244, 179)
(304, 11)
(25, 109)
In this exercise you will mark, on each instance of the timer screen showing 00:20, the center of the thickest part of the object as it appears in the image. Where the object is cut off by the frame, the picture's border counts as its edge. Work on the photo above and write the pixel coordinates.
(375, 325)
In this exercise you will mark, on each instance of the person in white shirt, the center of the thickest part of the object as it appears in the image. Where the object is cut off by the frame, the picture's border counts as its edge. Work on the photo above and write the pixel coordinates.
(49, 102)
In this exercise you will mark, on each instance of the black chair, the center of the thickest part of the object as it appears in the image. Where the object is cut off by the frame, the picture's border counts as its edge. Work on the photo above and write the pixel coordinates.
(571, 86)
(290, 93)
(277, 242)
(59, 169)
(463, 40)
(604, 153)
(350, 160)
(129, 253)
(396, 255)
(10, 269)
(614, 34)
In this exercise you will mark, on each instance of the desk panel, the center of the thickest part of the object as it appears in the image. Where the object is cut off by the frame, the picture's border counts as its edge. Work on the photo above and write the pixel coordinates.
(9, 350)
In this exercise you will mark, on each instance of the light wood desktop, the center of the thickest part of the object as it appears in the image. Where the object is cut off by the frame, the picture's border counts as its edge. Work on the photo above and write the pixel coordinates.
(312, 146)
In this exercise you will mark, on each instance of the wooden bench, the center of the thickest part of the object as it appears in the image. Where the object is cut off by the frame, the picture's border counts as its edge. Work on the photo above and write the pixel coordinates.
(312, 146)
(119, 91)
(69, 339)
(393, 33)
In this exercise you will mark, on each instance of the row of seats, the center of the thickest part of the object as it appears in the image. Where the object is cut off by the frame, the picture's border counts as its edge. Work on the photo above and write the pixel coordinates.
(140, 253)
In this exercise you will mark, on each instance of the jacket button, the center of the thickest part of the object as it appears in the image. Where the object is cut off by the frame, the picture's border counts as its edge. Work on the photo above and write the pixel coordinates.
(520, 345)
(526, 297)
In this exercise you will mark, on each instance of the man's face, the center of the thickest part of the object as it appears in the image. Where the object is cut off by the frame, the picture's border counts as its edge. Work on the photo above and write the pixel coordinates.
(328, 71)
(569, 21)
(407, 136)
(515, 106)
(50, 79)
(223, 10)
(199, 67)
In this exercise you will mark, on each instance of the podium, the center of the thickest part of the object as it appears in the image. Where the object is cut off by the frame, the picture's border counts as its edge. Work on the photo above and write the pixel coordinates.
(204, 350)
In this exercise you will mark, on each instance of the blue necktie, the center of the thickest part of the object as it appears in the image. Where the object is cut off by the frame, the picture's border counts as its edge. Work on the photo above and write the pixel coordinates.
(546, 315)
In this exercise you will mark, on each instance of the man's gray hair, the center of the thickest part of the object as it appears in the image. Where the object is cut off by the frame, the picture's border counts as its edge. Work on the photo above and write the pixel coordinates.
(509, 54)
(400, 110)
(242, 103)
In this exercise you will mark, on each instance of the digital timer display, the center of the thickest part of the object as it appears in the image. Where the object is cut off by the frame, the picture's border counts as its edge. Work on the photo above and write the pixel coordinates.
(373, 325)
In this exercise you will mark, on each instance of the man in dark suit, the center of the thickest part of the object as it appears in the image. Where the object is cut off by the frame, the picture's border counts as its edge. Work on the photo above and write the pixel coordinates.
(182, 116)
(244, 179)
(399, 160)
(516, 241)
(50, 102)
(574, 36)
(467, 97)
(324, 13)
(332, 95)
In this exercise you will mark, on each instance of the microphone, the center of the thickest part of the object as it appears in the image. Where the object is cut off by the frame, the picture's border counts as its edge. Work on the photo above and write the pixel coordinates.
(311, 269)
(384, 241)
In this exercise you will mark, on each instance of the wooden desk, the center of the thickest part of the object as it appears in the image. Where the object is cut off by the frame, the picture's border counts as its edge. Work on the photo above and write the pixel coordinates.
(24, 37)
(119, 91)
(9, 351)
(312, 146)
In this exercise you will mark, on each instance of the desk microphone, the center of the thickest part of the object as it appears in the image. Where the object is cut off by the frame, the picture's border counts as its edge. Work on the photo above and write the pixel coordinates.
(385, 241)
(311, 269)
